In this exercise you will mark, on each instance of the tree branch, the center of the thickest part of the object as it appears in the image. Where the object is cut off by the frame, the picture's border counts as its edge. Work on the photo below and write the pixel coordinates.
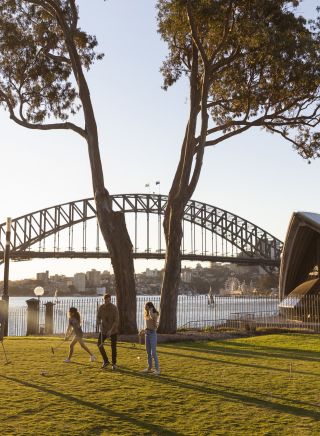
(274, 119)
(187, 156)
(299, 145)
(47, 5)
(224, 33)
(227, 136)
(54, 126)
(74, 15)
(195, 35)
(24, 123)
(203, 134)
(60, 59)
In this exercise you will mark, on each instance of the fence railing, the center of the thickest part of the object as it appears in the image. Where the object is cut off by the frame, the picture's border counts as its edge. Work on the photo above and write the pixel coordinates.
(17, 321)
(192, 312)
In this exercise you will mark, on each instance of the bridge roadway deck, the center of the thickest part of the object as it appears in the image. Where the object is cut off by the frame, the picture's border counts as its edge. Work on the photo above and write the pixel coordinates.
(28, 255)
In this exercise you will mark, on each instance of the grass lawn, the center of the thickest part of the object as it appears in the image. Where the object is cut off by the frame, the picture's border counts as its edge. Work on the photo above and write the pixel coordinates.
(266, 385)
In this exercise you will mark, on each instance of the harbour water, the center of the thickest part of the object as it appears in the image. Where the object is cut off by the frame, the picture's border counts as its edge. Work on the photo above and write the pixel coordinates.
(192, 311)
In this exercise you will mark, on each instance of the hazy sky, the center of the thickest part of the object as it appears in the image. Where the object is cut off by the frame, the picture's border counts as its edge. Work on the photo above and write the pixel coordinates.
(256, 175)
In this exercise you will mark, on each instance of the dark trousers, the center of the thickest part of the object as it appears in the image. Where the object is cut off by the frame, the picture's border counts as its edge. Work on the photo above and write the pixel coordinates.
(113, 339)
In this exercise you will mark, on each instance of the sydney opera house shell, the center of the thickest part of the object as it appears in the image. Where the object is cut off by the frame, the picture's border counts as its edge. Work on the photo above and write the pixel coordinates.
(300, 262)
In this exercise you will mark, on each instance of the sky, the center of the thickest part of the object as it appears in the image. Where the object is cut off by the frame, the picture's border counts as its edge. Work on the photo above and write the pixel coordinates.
(257, 176)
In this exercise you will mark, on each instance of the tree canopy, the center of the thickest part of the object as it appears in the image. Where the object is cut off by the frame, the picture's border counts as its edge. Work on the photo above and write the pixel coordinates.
(36, 64)
(258, 59)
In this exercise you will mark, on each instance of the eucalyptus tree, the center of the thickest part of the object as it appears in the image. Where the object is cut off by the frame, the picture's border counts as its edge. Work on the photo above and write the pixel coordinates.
(248, 64)
(43, 57)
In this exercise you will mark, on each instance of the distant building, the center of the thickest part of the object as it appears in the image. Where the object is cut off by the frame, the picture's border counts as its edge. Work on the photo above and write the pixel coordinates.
(105, 275)
(43, 277)
(58, 278)
(93, 278)
(79, 282)
(152, 273)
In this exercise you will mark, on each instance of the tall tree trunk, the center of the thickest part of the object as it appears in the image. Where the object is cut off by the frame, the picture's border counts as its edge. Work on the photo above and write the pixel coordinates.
(182, 188)
(172, 270)
(112, 224)
(114, 231)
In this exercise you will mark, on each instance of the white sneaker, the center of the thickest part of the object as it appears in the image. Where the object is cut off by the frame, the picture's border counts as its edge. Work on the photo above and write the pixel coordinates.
(156, 372)
(67, 360)
(93, 358)
(147, 370)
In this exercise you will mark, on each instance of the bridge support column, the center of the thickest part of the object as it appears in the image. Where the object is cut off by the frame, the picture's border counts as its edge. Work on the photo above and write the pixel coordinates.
(48, 323)
(33, 316)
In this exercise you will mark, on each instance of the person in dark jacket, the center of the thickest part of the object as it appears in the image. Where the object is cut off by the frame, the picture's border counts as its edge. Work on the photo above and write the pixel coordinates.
(108, 321)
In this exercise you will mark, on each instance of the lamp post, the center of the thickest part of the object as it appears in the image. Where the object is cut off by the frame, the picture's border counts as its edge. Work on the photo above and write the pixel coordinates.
(38, 292)
(5, 294)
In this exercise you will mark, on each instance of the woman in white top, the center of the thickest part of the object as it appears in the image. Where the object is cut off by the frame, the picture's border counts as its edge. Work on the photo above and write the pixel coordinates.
(75, 327)
(151, 323)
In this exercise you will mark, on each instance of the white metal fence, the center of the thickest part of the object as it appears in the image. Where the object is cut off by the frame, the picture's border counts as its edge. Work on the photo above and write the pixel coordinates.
(192, 312)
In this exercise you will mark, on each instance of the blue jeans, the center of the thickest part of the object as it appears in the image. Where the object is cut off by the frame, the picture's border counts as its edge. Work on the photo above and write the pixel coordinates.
(151, 347)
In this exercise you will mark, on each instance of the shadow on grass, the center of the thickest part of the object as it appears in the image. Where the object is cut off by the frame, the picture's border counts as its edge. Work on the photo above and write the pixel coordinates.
(86, 365)
(233, 363)
(26, 412)
(305, 353)
(258, 352)
(275, 396)
(139, 423)
(230, 396)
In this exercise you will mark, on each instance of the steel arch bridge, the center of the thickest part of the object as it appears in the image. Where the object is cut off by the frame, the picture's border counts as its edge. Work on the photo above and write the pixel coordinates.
(210, 233)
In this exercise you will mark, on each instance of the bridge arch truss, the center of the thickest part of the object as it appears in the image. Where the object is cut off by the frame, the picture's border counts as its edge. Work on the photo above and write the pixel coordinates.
(210, 233)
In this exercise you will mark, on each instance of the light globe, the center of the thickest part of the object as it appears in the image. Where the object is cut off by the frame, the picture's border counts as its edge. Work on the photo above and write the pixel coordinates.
(38, 291)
